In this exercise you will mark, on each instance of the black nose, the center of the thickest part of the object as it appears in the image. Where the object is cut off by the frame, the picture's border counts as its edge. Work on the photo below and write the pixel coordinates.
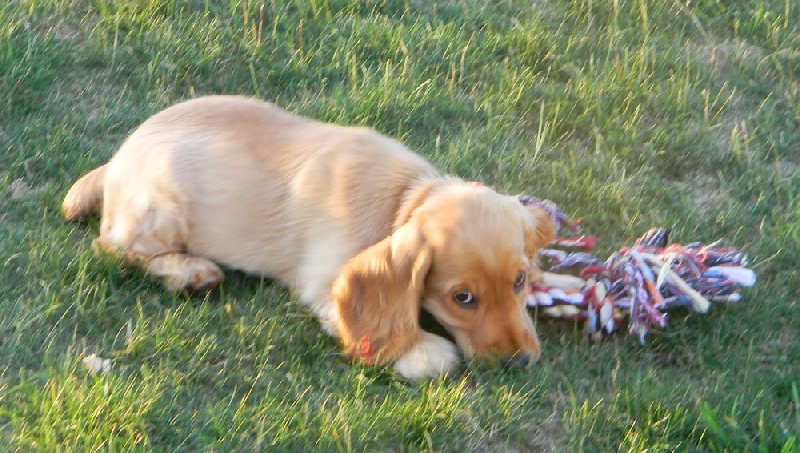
(517, 360)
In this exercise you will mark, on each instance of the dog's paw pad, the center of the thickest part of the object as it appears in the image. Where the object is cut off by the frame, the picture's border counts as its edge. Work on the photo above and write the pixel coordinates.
(205, 279)
(187, 273)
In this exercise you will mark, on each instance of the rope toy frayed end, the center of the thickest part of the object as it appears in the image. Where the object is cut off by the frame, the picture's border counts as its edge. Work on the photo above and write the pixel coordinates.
(640, 282)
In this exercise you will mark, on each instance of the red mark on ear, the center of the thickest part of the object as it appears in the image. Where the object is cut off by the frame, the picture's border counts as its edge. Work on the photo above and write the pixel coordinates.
(365, 352)
(475, 184)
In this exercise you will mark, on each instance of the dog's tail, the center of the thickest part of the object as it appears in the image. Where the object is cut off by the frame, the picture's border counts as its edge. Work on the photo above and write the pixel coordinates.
(86, 195)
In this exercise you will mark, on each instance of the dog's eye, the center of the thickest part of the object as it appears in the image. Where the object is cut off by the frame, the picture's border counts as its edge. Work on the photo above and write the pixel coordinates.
(464, 298)
(519, 282)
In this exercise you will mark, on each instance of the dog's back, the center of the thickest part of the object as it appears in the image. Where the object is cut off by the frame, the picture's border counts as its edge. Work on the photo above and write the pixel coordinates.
(362, 229)
(251, 186)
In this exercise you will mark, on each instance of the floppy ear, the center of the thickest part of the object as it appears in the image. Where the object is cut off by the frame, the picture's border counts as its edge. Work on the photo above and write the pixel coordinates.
(377, 296)
(539, 232)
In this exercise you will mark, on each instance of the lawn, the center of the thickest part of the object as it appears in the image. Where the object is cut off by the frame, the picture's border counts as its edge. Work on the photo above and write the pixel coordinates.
(628, 113)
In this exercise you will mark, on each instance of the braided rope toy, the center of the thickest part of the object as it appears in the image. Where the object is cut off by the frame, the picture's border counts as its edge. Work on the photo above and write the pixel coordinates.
(640, 282)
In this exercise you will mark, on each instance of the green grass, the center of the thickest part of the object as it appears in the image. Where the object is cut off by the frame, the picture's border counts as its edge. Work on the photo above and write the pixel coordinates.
(628, 113)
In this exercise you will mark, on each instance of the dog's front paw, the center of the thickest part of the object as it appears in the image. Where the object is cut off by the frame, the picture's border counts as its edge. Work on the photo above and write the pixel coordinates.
(433, 356)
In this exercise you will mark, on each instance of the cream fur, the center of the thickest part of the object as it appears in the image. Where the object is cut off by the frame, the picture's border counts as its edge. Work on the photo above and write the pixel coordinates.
(432, 356)
(240, 183)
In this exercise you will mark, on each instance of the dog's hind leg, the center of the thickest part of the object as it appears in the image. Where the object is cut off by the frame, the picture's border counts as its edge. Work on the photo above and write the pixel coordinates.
(178, 270)
(153, 237)
(181, 271)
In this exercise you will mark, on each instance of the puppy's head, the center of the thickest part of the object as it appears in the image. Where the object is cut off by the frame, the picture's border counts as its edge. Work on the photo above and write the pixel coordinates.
(484, 257)
(466, 254)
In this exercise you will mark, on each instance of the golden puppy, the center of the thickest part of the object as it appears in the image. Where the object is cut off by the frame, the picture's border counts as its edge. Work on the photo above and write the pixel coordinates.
(363, 230)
